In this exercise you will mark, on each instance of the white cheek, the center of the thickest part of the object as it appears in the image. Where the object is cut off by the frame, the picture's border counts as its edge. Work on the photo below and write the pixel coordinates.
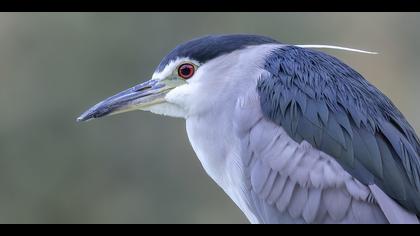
(180, 95)
(175, 103)
(167, 109)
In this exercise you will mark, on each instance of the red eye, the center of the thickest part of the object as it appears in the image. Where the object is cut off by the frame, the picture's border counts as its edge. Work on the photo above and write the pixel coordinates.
(186, 71)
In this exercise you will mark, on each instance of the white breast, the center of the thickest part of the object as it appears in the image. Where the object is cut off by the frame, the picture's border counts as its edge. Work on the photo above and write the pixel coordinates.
(218, 151)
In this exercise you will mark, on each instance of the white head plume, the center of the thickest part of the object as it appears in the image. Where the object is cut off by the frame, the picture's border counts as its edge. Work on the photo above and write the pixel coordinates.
(335, 47)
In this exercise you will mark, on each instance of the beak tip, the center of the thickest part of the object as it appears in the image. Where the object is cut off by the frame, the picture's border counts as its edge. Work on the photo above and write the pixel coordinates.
(79, 119)
(85, 117)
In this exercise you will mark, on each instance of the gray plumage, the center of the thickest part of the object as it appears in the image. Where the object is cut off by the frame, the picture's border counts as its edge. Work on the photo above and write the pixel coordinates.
(317, 98)
(292, 182)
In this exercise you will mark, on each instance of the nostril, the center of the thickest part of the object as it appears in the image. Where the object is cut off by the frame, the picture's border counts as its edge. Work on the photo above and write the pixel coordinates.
(141, 88)
(144, 86)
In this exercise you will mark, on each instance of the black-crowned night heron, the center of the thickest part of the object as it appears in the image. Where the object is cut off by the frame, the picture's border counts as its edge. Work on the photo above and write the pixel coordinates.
(291, 134)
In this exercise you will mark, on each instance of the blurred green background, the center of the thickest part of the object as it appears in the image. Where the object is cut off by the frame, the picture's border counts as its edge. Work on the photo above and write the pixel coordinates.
(139, 167)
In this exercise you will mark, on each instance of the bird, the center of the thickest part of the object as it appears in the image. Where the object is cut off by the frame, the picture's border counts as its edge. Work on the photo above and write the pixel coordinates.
(292, 135)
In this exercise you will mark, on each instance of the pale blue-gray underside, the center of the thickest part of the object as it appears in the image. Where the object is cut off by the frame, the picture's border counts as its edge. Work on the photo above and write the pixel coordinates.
(317, 98)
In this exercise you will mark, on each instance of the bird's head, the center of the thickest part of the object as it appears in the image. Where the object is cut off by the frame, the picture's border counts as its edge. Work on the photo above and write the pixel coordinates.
(188, 80)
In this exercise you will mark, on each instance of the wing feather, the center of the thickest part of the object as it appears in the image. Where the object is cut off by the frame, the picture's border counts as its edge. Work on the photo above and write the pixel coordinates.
(316, 98)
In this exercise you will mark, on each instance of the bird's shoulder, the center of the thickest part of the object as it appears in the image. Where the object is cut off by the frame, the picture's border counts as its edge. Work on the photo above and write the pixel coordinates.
(317, 98)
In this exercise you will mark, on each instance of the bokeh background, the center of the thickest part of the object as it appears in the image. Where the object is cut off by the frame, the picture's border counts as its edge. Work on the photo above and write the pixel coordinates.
(139, 167)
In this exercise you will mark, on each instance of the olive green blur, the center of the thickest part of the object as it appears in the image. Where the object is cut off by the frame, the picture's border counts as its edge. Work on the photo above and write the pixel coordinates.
(139, 167)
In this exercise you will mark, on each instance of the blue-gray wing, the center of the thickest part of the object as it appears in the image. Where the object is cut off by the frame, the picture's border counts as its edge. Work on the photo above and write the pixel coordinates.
(318, 99)
(290, 182)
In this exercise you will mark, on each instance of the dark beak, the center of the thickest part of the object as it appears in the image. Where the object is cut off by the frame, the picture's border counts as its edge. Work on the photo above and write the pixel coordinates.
(135, 98)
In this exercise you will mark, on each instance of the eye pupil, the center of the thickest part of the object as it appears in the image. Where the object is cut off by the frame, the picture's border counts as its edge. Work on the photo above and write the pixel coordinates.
(186, 71)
